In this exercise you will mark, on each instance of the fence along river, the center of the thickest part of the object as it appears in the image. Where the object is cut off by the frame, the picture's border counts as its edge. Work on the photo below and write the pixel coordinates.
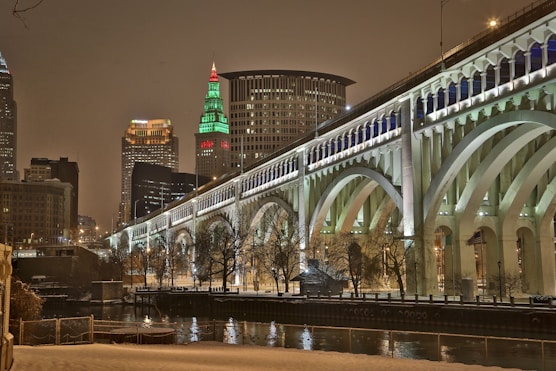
(435, 346)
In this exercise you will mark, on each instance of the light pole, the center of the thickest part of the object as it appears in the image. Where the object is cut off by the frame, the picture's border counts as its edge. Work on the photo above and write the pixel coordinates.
(416, 290)
(316, 109)
(482, 265)
(442, 3)
(135, 211)
(500, 278)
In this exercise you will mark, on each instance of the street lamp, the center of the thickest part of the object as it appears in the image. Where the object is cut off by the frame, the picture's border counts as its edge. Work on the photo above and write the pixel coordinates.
(442, 3)
(492, 23)
(416, 290)
(500, 278)
(135, 211)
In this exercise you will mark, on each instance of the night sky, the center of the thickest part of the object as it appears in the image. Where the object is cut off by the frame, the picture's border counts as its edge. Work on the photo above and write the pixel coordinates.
(83, 69)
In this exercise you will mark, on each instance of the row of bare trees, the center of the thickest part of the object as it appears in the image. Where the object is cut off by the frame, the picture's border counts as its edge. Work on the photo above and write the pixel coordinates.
(228, 252)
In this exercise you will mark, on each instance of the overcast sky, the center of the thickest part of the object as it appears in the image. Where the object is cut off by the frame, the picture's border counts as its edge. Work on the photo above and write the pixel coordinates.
(83, 69)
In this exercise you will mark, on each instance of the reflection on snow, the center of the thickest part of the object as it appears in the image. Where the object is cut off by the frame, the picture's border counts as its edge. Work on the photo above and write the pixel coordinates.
(147, 321)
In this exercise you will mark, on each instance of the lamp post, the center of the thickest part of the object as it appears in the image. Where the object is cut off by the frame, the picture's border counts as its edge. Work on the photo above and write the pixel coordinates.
(416, 290)
(442, 3)
(135, 211)
(482, 266)
(316, 109)
(131, 268)
(500, 278)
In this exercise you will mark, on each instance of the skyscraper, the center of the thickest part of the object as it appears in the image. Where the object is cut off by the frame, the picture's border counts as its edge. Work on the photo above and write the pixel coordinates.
(8, 124)
(43, 169)
(149, 141)
(212, 141)
(154, 186)
(271, 108)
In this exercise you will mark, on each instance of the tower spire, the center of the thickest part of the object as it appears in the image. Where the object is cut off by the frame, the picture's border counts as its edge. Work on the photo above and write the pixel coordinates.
(212, 143)
(213, 74)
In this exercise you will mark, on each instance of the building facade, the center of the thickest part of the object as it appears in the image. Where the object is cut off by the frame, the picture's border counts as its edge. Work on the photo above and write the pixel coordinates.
(88, 229)
(35, 213)
(271, 108)
(43, 169)
(149, 141)
(155, 186)
(212, 141)
(8, 125)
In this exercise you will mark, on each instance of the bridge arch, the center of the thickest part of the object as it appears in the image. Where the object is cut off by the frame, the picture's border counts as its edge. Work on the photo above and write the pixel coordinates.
(331, 191)
(468, 145)
(528, 127)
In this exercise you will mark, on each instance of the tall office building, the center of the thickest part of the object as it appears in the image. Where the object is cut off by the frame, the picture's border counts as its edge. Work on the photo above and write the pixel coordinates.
(149, 141)
(43, 169)
(271, 108)
(8, 125)
(153, 187)
(212, 141)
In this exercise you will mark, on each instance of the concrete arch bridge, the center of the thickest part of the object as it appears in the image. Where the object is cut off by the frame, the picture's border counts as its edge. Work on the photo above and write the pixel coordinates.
(459, 159)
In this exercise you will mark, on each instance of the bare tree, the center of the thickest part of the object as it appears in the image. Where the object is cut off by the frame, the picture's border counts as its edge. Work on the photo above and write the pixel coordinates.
(120, 255)
(395, 256)
(158, 258)
(353, 256)
(280, 256)
(142, 258)
(175, 259)
(511, 283)
(17, 10)
(224, 248)
(203, 267)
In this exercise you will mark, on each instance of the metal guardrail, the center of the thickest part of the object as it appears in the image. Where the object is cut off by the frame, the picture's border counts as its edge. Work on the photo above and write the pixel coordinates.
(56, 331)
(435, 346)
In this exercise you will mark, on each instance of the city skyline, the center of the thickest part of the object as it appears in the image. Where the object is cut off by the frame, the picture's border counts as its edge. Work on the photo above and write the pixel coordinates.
(82, 72)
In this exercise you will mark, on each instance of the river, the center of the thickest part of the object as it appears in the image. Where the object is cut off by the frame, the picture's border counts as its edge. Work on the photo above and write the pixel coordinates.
(502, 352)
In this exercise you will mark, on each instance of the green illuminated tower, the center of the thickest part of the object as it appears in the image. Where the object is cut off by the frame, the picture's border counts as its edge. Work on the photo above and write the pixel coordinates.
(212, 140)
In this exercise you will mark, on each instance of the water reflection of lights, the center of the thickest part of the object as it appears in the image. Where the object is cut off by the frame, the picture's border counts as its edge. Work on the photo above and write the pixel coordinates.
(230, 332)
(194, 330)
(307, 339)
(147, 321)
(272, 335)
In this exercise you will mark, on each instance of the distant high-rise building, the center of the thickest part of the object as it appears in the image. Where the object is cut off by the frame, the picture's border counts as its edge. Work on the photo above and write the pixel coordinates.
(271, 108)
(212, 140)
(43, 169)
(8, 125)
(36, 213)
(88, 229)
(155, 186)
(149, 141)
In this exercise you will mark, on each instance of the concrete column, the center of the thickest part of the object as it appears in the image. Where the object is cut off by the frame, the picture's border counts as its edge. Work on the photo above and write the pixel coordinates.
(420, 266)
(544, 246)
(301, 195)
(527, 56)
(237, 224)
(544, 50)
(193, 230)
